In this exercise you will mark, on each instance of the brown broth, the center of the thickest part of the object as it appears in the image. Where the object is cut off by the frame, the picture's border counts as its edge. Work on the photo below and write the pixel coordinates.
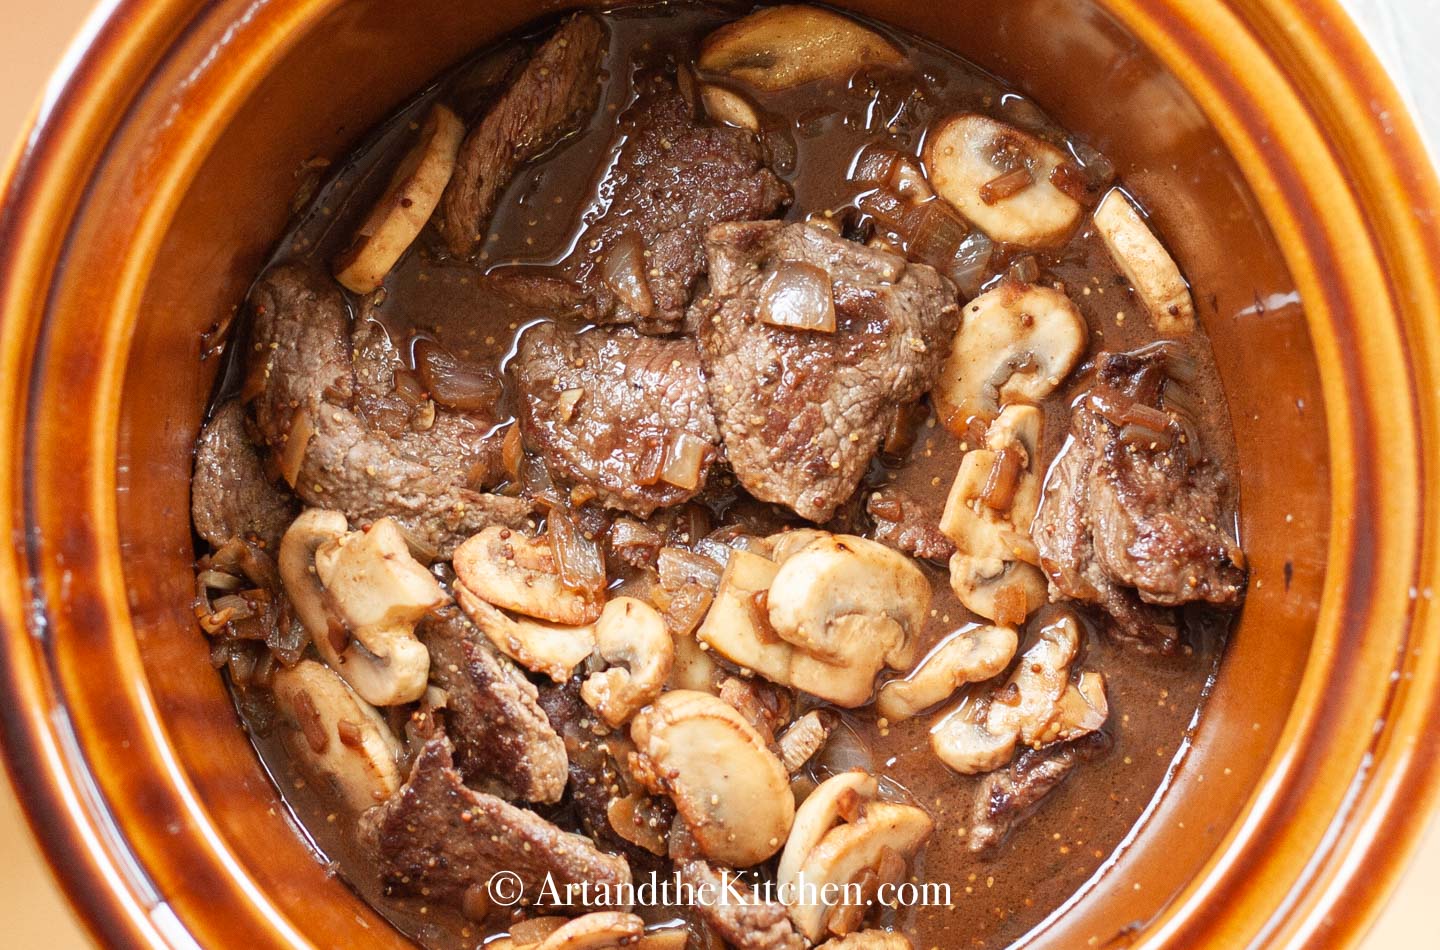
(996, 898)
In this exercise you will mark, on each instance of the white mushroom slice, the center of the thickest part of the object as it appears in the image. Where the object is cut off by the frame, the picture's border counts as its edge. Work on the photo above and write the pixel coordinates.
(738, 627)
(1038, 684)
(694, 667)
(779, 47)
(869, 940)
(548, 648)
(966, 656)
(1146, 264)
(802, 739)
(997, 589)
(729, 107)
(380, 592)
(595, 931)
(1082, 709)
(961, 741)
(405, 206)
(999, 178)
(883, 828)
(834, 800)
(507, 569)
(786, 543)
(375, 591)
(987, 514)
(734, 625)
(1016, 343)
(629, 632)
(840, 589)
(336, 737)
(727, 785)
(296, 562)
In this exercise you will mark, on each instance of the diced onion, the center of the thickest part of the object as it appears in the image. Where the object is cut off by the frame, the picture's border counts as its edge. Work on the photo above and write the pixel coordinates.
(684, 459)
(297, 440)
(799, 296)
(453, 383)
(936, 234)
(623, 270)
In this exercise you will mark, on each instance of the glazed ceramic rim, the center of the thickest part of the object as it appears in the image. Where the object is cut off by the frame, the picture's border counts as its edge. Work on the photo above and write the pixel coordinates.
(1320, 843)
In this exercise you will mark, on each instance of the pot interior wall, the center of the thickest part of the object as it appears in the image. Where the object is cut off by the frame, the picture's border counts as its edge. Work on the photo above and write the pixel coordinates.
(364, 58)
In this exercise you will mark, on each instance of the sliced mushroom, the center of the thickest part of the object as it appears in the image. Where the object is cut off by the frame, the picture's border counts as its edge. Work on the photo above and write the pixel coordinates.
(779, 47)
(840, 588)
(966, 656)
(1038, 705)
(406, 204)
(869, 940)
(730, 789)
(882, 831)
(988, 512)
(1016, 343)
(336, 737)
(1146, 264)
(595, 931)
(961, 740)
(803, 738)
(360, 594)
(694, 667)
(739, 628)
(552, 649)
(380, 592)
(632, 633)
(729, 107)
(834, 800)
(507, 569)
(999, 178)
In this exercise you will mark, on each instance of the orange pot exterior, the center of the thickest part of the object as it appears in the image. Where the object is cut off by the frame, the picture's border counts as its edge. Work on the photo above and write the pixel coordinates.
(143, 201)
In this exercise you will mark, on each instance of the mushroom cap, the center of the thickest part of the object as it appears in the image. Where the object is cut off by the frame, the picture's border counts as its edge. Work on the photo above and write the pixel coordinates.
(541, 647)
(825, 807)
(838, 592)
(848, 850)
(338, 739)
(506, 568)
(1016, 343)
(730, 789)
(958, 155)
(631, 632)
(779, 47)
(968, 655)
(406, 204)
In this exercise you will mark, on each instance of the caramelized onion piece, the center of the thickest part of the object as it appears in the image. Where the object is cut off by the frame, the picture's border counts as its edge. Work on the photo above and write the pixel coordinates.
(799, 296)
(623, 270)
(684, 460)
(452, 382)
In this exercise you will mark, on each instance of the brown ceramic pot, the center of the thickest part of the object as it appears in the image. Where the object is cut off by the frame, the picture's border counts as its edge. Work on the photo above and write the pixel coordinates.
(1277, 160)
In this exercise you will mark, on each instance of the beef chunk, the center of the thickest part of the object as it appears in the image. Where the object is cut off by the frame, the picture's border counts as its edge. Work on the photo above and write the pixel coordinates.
(230, 495)
(903, 522)
(438, 839)
(742, 919)
(364, 448)
(609, 411)
(549, 99)
(803, 412)
(1131, 518)
(1008, 796)
(673, 179)
(503, 741)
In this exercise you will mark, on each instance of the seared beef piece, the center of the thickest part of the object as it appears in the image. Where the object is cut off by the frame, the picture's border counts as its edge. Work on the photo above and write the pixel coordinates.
(1131, 514)
(370, 452)
(230, 494)
(736, 913)
(608, 409)
(504, 744)
(802, 412)
(674, 178)
(550, 98)
(1008, 796)
(903, 522)
(595, 769)
(436, 838)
